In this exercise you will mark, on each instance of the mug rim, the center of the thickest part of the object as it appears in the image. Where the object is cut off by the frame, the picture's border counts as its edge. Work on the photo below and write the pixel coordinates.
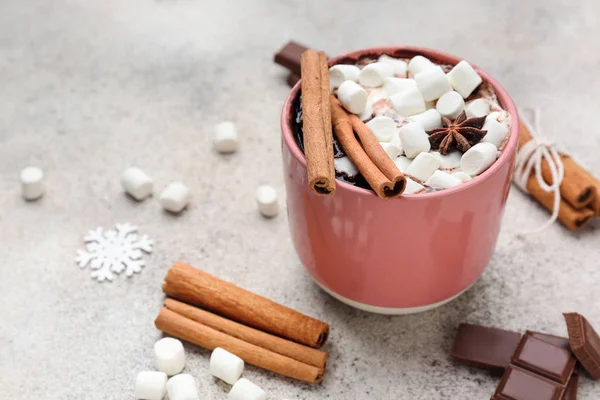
(440, 57)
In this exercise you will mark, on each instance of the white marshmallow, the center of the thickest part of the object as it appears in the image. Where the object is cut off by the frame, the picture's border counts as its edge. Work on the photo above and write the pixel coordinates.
(408, 102)
(462, 176)
(182, 387)
(414, 139)
(430, 119)
(150, 385)
(412, 187)
(399, 66)
(372, 75)
(464, 79)
(397, 85)
(367, 113)
(226, 366)
(170, 356)
(478, 108)
(402, 163)
(382, 127)
(266, 198)
(136, 183)
(225, 137)
(391, 149)
(478, 158)
(448, 161)
(442, 180)
(496, 131)
(340, 73)
(175, 197)
(374, 104)
(450, 105)
(432, 83)
(345, 166)
(32, 183)
(246, 390)
(352, 96)
(423, 167)
(419, 64)
(397, 142)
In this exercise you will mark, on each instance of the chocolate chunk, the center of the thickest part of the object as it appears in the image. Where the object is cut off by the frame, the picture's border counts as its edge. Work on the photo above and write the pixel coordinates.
(571, 390)
(584, 342)
(292, 79)
(519, 384)
(545, 359)
(289, 56)
(484, 347)
(555, 340)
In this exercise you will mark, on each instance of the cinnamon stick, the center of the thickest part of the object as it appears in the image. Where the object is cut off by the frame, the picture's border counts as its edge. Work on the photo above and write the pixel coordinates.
(202, 335)
(383, 186)
(193, 286)
(577, 188)
(318, 140)
(273, 343)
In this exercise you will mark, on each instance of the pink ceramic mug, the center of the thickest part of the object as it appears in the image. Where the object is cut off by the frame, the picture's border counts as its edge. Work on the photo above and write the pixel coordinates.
(397, 256)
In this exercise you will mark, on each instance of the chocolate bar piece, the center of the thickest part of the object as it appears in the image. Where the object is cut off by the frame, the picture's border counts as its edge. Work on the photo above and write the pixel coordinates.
(571, 390)
(555, 340)
(545, 359)
(484, 347)
(292, 79)
(519, 384)
(289, 56)
(584, 342)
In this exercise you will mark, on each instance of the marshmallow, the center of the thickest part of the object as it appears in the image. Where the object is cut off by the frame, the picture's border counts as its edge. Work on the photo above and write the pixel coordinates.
(464, 79)
(478, 158)
(374, 104)
(430, 119)
(266, 197)
(340, 73)
(367, 113)
(182, 387)
(383, 128)
(442, 180)
(448, 161)
(496, 131)
(462, 176)
(226, 366)
(391, 149)
(150, 385)
(372, 75)
(175, 197)
(397, 142)
(414, 139)
(246, 390)
(478, 108)
(352, 96)
(408, 102)
(423, 167)
(136, 183)
(225, 137)
(399, 66)
(450, 105)
(397, 85)
(432, 83)
(419, 64)
(32, 183)
(170, 356)
(402, 163)
(412, 187)
(344, 166)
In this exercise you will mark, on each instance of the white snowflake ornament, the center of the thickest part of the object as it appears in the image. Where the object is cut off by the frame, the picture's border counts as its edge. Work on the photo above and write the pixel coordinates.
(113, 251)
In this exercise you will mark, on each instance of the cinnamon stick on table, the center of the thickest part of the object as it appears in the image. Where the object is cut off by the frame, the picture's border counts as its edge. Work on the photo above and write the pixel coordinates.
(267, 341)
(193, 286)
(316, 122)
(385, 179)
(578, 188)
(202, 335)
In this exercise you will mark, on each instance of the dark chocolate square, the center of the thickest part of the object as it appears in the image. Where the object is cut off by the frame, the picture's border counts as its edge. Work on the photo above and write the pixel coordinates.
(519, 384)
(552, 339)
(585, 343)
(545, 359)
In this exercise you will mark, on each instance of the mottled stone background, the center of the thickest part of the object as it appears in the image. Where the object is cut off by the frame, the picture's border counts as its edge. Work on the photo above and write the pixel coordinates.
(88, 88)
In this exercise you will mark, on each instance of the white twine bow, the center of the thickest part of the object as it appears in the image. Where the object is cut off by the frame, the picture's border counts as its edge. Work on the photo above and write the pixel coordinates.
(531, 156)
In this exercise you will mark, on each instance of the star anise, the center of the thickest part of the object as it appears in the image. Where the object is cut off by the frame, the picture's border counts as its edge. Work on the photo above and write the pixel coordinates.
(461, 134)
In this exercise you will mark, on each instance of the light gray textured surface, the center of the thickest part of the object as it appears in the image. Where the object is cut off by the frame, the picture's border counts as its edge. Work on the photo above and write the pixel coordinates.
(88, 88)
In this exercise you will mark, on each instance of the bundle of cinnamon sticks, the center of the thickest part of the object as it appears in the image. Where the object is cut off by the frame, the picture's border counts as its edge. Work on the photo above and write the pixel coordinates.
(320, 112)
(211, 313)
(580, 191)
